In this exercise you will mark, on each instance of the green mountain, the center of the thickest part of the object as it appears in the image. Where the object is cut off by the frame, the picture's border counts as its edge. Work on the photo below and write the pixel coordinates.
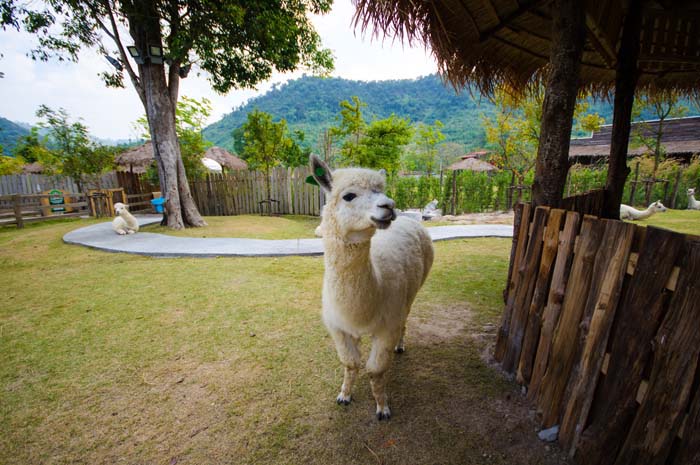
(9, 133)
(311, 104)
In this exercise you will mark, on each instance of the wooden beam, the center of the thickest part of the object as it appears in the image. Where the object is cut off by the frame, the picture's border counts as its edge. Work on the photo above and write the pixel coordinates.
(600, 42)
(507, 19)
(626, 77)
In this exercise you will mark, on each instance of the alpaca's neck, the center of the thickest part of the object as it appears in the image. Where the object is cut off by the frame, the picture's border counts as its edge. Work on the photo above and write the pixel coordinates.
(349, 264)
(692, 202)
(129, 218)
(645, 213)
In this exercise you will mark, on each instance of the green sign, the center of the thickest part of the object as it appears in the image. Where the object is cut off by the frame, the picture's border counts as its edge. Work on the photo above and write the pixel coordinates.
(56, 199)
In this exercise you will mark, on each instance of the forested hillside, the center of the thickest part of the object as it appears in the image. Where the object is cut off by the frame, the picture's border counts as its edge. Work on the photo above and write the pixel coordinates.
(9, 133)
(311, 105)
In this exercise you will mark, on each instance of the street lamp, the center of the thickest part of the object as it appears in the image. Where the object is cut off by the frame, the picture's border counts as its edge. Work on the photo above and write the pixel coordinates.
(136, 54)
(185, 70)
(114, 62)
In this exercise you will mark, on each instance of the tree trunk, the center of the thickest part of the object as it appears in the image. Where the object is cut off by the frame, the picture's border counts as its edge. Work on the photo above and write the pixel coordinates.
(160, 103)
(625, 83)
(568, 36)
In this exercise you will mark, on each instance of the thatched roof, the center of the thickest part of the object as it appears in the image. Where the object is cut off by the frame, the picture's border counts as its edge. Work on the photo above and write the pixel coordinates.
(225, 158)
(489, 42)
(136, 159)
(471, 162)
(680, 138)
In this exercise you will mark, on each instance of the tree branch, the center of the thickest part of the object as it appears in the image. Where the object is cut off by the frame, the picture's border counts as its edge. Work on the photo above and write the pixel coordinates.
(117, 40)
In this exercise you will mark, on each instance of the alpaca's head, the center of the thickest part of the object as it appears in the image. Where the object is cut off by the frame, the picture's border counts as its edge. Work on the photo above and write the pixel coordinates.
(657, 206)
(356, 204)
(120, 208)
(691, 191)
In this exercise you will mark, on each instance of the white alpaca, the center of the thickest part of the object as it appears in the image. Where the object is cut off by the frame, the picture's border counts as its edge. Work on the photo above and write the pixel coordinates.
(370, 279)
(629, 213)
(124, 223)
(692, 203)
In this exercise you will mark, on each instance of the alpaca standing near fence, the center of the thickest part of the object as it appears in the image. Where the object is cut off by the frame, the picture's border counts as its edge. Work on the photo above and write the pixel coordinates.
(692, 203)
(124, 223)
(370, 279)
(629, 213)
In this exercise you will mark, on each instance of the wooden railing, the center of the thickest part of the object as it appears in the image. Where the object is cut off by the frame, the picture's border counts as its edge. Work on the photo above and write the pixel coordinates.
(601, 326)
(20, 209)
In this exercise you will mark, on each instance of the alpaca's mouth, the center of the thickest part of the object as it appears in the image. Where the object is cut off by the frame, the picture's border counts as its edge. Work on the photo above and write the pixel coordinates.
(383, 223)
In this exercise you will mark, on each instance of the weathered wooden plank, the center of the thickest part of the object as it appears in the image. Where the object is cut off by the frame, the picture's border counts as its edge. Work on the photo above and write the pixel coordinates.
(689, 449)
(564, 346)
(676, 352)
(611, 264)
(520, 247)
(557, 290)
(539, 296)
(638, 319)
(526, 287)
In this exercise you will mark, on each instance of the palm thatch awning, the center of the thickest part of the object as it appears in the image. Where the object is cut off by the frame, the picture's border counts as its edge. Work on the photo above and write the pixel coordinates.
(225, 158)
(471, 162)
(493, 42)
(136, 159)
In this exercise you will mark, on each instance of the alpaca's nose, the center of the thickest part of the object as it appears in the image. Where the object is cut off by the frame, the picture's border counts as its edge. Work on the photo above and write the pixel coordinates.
(387, 203)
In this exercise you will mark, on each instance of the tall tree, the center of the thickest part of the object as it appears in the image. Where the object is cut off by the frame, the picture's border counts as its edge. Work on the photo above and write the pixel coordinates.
(427, 139)
(663, 106)
(237, 43)
(73, 154)
(265, 142)
(351, 126)
(382, 144)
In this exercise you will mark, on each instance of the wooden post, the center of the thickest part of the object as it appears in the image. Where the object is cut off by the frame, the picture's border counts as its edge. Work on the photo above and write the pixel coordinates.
(568, 37)
(634, 184)
(17, 205)
(626, 76)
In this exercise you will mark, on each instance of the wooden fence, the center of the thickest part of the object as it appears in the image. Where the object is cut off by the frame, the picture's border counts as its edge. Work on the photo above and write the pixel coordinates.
(26, 184)
(245, 192)
(602, 325)
(20, 209)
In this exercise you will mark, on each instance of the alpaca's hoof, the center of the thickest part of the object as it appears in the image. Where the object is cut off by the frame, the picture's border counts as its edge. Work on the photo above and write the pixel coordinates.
(343, 399)
(121, 233)
(383, 414)
(399, 349)
(130, 231)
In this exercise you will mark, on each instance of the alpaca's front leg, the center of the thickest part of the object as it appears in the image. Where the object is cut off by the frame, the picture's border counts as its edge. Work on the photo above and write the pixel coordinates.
(348, 350)
(377, 366)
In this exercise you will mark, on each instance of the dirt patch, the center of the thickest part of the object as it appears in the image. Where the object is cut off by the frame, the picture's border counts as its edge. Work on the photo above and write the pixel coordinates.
(477, 218)
(438, 324)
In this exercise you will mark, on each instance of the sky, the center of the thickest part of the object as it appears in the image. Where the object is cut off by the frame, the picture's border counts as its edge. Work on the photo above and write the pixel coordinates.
(110, 113)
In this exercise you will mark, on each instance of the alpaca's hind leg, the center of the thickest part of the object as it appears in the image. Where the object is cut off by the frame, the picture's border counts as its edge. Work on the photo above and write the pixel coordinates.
(348, 350)
(377, 366)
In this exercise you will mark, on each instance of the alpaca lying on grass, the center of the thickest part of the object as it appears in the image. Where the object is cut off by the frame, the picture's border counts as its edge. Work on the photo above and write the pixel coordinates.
(692, 203)
(124, 223)
(629, 213)
(370, 279)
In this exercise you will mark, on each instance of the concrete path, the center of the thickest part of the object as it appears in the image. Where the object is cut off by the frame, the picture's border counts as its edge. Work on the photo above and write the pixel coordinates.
(100, 236)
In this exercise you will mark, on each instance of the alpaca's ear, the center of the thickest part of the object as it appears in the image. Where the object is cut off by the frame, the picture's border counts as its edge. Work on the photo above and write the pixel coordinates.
(321, 172)
(382, 172)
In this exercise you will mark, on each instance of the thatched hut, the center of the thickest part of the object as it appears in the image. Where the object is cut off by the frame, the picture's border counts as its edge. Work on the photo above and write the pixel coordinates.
(225, 158)
(136, 159)
(568, 44)
(471, 162)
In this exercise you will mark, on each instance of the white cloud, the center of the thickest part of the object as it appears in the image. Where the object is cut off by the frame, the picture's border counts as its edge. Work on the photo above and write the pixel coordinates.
(109, 113)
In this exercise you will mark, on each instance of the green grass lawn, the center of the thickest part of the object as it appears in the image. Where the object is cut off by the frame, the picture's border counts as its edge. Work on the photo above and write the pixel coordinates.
(113, 358)
(683, 221)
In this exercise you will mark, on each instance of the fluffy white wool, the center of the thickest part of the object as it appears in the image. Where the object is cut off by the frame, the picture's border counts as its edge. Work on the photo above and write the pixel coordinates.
(629, 213)
(124, 222)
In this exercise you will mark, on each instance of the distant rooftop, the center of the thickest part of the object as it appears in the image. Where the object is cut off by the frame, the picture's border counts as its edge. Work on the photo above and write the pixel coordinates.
(681, 138)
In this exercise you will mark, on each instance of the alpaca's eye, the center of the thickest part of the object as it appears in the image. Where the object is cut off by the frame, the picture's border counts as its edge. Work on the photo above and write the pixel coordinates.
(349, 197)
